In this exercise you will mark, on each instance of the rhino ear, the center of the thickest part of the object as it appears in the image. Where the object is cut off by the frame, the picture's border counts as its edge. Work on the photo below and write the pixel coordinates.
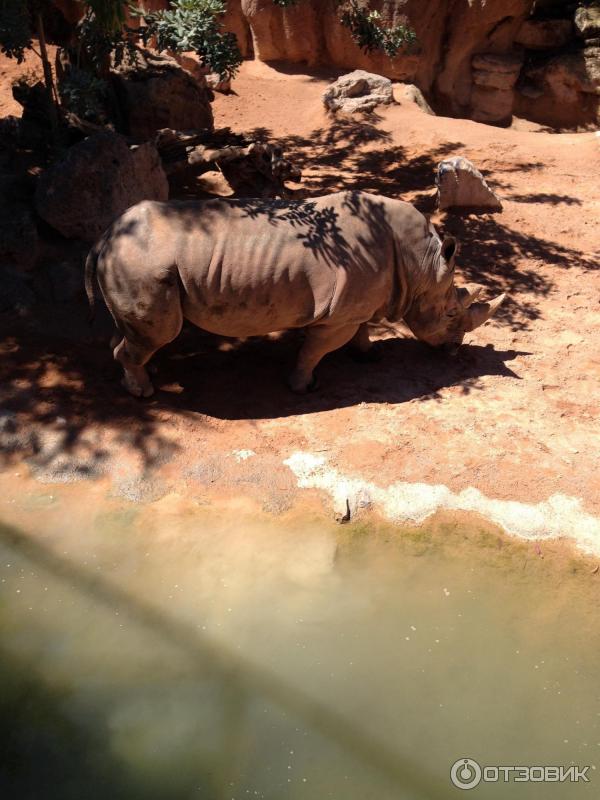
(449, 251)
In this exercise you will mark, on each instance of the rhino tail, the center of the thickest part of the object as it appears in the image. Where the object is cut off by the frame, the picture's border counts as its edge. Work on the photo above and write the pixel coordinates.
(90, 273)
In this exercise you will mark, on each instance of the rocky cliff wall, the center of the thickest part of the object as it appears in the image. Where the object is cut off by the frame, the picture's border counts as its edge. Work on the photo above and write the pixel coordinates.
(474, 58)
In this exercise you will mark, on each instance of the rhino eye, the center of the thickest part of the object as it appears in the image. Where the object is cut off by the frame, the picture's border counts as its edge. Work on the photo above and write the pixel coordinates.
(452, 312)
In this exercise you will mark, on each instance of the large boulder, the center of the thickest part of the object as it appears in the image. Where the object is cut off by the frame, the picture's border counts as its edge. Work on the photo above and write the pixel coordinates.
(461, 186)
(18, 236)
(19, 242)
(358, 91)
(98, 179)
(156, 92)
(16, 293)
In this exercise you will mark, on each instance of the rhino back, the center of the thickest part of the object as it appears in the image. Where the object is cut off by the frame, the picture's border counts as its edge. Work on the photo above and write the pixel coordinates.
(251, 267)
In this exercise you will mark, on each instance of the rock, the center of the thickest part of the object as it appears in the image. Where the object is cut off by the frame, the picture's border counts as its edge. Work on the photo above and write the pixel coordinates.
(99, 178)
(563, 91)
(192, 63)
(19, 240)
(568, 75)
(218, 84)
(234, 20)
(358, 91)
(66, 280)
(18, 235)
(15, 292)
(9, 132)
(591, 58)
(495, 71)
(470, 28)
(461, 185)
(587, 22)
(156, 92)
(413, 94)
(277, 33)
(544, 34)
(494, 76)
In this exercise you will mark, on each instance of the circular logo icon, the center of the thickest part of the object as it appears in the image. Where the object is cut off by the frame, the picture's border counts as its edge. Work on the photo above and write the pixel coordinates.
(465, 773)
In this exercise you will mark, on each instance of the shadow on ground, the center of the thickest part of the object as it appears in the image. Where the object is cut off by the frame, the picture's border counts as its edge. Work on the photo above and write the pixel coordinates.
(360, 154)
(55, 389)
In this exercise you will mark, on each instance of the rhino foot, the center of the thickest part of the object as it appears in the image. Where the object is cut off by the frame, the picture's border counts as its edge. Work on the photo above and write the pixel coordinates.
(298, 385)
(135, 388)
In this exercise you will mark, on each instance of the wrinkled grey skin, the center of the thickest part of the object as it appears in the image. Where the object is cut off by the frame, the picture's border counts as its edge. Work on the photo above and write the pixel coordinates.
(246, 268)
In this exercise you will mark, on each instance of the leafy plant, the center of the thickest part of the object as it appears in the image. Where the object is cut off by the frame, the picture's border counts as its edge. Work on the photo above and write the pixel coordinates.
(195, 25)
(102, 38)
(368, 33)
(15, 29)
(366, 29)
(84, 94)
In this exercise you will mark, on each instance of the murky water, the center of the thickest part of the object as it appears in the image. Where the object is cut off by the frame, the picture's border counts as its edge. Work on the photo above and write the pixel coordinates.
(174, 651)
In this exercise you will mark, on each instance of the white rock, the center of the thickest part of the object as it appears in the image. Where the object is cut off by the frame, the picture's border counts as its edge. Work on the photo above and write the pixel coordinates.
(461, 185)
(358, 91)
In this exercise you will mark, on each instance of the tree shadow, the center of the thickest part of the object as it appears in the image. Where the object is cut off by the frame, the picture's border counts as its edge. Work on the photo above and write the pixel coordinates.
(56, 398)
(493, 254)
(357, 153)
(543, 197)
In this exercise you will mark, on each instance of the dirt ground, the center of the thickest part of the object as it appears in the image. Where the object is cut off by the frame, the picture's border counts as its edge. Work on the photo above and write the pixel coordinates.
(514, 415)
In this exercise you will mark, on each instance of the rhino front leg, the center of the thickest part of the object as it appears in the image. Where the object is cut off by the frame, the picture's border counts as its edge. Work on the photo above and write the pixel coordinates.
(320, 340)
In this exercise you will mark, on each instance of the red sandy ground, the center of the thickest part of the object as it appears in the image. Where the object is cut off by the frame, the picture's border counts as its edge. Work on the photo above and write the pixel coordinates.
(515, 415)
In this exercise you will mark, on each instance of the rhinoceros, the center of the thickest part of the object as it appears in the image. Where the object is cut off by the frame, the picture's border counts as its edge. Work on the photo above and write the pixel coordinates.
(242, 268)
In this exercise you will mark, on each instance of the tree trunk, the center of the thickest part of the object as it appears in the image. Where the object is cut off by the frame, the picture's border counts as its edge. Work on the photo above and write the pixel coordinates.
(48, 79)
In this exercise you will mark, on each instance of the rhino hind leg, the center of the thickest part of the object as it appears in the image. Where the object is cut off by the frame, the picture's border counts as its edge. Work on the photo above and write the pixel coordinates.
(135, 376)
(320, 340)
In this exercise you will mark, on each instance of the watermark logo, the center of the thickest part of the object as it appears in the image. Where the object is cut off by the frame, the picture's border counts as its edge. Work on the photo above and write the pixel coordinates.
(466, 773)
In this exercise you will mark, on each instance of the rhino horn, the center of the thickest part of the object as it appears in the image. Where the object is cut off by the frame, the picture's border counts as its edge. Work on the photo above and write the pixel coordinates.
(479, 313)
(469, 293)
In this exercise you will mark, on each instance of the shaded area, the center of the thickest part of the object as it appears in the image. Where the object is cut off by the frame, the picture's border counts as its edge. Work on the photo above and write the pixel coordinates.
(494, 255)
(544, 197)
(55, 407)
(239, 680)
(356, 153)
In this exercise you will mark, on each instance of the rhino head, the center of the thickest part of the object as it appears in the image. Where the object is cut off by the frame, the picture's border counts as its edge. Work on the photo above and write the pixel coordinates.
(443, 313)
